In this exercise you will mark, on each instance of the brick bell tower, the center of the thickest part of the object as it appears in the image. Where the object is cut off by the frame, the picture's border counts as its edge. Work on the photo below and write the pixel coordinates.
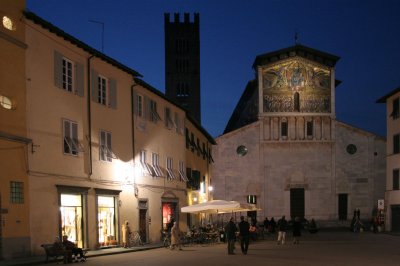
(182, 62)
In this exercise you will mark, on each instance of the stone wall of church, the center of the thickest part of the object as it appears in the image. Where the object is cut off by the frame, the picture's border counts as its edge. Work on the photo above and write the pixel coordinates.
(323, 168)
(236, 176)
(299, 128)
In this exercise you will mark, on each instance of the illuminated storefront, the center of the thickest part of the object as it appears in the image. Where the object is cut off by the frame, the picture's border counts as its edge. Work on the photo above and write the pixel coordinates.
(168, 212)
(71, 217)
(73, 213)
(107, 218)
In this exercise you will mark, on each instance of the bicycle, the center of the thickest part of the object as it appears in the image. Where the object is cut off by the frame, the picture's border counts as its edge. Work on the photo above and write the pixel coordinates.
(166, 239)
(135, 239)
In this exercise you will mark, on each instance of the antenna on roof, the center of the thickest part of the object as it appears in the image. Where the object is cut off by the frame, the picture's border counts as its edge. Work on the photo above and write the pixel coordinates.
(102, 32)
(296, 37)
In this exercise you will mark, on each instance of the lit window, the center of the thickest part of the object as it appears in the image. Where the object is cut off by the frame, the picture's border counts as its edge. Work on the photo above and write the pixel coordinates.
(8, 23)
(16, 192)
(6, 102)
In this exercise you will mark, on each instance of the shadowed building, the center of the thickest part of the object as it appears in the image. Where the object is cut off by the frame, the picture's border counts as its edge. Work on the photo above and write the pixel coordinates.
(391, 206)
(182, 62)
(284, 150)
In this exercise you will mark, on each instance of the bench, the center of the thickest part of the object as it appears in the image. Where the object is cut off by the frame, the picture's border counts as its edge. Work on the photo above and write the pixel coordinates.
(66, 255)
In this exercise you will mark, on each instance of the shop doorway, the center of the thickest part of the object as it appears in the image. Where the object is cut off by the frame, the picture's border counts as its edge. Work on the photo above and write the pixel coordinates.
(143, 220)
(297, 203)
(342, 204)
(71, 218)
(169, 212)
(106, 221)
(395, 218)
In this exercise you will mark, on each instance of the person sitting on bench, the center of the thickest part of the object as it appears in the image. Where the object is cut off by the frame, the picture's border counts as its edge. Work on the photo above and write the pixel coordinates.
(76, 252)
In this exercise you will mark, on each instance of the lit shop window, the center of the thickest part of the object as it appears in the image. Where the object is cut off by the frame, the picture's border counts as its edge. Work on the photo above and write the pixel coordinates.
(6, 102)
(8, 23)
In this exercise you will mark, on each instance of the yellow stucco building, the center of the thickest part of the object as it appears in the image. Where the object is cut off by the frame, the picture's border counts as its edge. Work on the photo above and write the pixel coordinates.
(14, 143)
(98, 144)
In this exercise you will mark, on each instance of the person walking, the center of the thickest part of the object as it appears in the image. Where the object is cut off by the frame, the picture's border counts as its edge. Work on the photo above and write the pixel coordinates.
(296, 230)
(126, 231)
(176, 237)
(244, 234)
(282, 227)
(230, 231)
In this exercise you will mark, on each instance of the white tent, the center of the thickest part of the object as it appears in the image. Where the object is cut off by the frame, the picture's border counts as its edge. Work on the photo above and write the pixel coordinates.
(213, 206)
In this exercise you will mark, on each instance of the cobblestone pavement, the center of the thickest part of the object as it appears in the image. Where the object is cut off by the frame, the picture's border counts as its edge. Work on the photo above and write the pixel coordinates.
(324, 248)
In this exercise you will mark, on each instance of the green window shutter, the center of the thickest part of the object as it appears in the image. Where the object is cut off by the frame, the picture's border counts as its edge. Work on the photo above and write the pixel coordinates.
(113, 93)
(79, 80)
(58, 69)
(95, 87)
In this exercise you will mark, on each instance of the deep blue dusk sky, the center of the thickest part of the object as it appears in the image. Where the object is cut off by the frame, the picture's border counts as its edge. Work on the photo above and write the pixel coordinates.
(364, 34)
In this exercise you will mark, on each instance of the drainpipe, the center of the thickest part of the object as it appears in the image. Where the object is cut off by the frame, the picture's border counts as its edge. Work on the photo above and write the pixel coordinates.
(133, 136)
(89, 95)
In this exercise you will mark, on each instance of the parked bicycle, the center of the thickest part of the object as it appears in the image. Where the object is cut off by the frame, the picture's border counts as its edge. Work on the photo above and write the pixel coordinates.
(166, 239)
(135, 239)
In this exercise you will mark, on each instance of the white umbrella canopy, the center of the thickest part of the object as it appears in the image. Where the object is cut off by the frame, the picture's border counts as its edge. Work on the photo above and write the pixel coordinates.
(213, 206)
(243, 207)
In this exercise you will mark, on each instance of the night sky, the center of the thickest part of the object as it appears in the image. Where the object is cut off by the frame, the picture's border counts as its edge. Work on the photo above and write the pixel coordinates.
(365, 34)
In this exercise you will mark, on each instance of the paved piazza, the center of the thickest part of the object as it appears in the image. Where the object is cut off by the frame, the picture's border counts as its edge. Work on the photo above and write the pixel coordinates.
(324, 248)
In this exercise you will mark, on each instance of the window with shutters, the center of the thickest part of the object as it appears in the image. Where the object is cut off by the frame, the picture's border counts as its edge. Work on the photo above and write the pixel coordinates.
(182, 173)
(170, 169)
(68, 75)
(154, 116)
(168, 118)
(139, 105)
(106, 153)
(102, 90)
(396, 179)
(396, 144)
(156, 164)
(71, 143)
(395, 109)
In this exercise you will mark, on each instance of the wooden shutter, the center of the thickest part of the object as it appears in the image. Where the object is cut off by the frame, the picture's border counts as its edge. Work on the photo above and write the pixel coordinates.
(79, 80)
(58, 69)
(112, 94)
(134, 102)
(147, 108)
(95, 86)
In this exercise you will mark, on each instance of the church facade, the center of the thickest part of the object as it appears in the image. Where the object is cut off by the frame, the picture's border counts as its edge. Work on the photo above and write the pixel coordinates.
(284, 151)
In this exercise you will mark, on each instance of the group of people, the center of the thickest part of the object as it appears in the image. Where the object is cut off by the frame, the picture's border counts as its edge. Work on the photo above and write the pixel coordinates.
(73, 252)
(243, 231)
